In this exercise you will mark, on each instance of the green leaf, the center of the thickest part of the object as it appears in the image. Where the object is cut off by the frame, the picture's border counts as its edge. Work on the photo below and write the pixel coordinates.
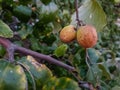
(47, 13)
(35, 44)
(93, 73)
(62, 83)
(50, 84)
(105, 70)
(39, 71)
(90, 76)
(61, 50)
(116, 88)
(93, 55)
(25, 31)
(117, 1)
(2, 51)
(12, 77)
(23, 12)
(25, 2)
(67, 84)
(5, 31)
(92, 13)
(46, 1)
(49, 39)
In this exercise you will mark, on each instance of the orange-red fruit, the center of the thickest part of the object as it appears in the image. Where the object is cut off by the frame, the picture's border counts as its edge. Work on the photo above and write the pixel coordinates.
(87, 36)
(67, 34)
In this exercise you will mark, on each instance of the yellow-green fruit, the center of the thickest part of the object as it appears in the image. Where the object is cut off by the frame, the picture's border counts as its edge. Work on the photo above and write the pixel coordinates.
(87, 36)
(67, 34)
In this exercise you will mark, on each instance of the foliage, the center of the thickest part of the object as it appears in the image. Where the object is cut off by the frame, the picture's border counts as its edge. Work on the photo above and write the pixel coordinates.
(12, 76)
(36, 25)
(5, 30)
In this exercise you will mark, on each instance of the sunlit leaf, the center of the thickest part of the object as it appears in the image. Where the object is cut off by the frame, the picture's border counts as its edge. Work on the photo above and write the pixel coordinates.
(117, 1)
(5, 31)
(67, 84)
(116, 88)
(61, 50)
(39, 71)
(50, 84)
(62, 83)
(12, 77)
(91, 12)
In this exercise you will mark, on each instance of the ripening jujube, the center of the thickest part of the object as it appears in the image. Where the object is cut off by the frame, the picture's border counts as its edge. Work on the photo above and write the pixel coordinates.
(67, 34)
(87, 36)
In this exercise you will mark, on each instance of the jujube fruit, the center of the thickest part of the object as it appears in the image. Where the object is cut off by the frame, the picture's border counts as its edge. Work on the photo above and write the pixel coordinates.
(67, 34)
(87, 36)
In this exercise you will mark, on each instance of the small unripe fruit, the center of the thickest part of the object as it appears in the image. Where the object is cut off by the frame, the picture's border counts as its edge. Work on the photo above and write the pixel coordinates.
(67, 34)
(87, 36)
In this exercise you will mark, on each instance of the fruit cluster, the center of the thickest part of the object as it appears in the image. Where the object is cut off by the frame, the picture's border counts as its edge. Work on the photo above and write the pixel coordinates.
(86, 35)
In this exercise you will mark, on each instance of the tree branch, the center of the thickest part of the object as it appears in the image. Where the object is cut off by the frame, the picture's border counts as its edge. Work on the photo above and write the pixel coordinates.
(10, 47)
(44, 57)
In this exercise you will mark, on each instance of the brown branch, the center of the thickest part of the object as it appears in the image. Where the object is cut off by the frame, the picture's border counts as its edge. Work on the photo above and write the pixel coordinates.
(4, 42)
(44, 57)
(9, 48)
(12, 47)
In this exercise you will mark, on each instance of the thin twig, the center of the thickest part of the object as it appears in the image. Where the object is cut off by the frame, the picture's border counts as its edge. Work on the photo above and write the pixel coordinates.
(79, 22)
(77, 15)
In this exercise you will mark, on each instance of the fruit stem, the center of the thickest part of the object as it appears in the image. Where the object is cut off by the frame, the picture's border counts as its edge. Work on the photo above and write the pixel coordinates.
(79, 22)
